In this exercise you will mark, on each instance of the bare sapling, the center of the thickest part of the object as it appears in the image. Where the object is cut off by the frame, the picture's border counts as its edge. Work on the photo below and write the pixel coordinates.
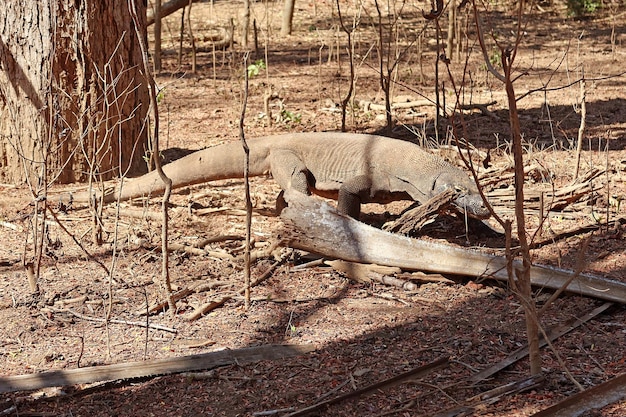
(165, 276)
(434, 16)
(192, 39)
(348, 96)
(246, 178)
(385, 76)
(583, 122)
(519, 279)
(180, 39)
(389, 54)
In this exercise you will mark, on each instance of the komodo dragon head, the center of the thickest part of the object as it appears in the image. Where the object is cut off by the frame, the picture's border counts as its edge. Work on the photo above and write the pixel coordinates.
(468, 198)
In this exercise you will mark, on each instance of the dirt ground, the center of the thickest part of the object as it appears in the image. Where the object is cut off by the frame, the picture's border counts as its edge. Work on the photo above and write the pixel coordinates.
(363, 333)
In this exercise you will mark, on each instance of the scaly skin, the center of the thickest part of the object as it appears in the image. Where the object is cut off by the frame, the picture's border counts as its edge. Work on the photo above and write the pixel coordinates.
(352, 168)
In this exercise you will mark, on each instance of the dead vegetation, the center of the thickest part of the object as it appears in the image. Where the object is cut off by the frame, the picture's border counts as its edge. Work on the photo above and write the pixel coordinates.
(372, 339)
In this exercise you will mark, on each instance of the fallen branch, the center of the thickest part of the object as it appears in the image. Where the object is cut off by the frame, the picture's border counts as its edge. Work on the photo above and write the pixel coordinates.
(11, 226)
(212, 305)
(594, 398)
(559, 198)
(129, 370)
(483, 107)
(475, 403)
(313, 225)
(201, 243)
(364, 274)
(369, 106)
(417, 216)
(192, 250)
(426, 278)
(116, 321)
(521, 353)
(167, 8)
(414, 373)
(179, 295)
(578, 230)
(134, 213)
(163, 305)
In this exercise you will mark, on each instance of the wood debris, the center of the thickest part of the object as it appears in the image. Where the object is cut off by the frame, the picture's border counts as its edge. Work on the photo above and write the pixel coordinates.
(412, 374)
(555, 199)
(476, 404)
(314, 226)
(417, 216)
(364, 273)
(594, 398)
(553, 334)
(129, 370)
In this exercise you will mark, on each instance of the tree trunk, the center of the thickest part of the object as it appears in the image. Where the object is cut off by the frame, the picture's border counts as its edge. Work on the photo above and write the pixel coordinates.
(245, 24)
(72, 99)
(157, 35)
(285, 27)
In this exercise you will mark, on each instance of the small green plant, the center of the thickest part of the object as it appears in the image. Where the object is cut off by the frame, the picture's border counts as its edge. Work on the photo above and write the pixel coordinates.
(147, 158)
(496, 57)
(290, 117)
(291, 329)
(160, 96)
(255, 69)
(579, 8)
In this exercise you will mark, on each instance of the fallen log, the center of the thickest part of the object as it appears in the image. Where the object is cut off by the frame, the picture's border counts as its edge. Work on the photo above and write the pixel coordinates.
(312, 225)
(129, 370)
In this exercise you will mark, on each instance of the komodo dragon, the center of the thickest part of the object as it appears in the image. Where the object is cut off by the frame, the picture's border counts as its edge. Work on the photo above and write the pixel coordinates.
(351, 168)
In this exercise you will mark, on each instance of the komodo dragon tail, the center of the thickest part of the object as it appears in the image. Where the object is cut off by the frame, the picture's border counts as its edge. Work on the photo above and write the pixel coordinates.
(210, 164)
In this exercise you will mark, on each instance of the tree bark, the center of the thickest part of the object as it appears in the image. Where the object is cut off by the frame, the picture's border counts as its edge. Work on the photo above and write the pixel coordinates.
(72, 99)
(245, 24)
(157, 35)
(286, 24)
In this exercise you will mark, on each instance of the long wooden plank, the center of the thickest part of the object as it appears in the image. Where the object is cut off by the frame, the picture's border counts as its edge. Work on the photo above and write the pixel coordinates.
(154, 367)
(553, 334)
(312, 225)
(594, 398)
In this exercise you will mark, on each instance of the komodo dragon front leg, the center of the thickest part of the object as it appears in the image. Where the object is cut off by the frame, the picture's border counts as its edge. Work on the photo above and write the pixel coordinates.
(290, 172)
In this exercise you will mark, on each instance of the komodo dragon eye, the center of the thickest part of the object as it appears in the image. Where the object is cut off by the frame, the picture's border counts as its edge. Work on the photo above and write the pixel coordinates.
(460, 189)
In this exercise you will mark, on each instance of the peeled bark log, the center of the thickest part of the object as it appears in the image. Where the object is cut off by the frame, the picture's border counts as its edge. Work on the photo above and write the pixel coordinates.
(312, 225)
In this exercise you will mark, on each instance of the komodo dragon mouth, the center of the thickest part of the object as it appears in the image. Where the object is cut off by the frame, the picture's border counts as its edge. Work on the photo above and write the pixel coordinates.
(472, 205)
(468, 199)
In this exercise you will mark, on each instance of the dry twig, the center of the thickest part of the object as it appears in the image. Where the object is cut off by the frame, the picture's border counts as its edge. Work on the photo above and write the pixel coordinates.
(413, 373)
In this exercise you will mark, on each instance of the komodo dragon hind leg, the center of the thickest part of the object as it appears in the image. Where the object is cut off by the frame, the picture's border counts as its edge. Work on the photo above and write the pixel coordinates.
(290, 173)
